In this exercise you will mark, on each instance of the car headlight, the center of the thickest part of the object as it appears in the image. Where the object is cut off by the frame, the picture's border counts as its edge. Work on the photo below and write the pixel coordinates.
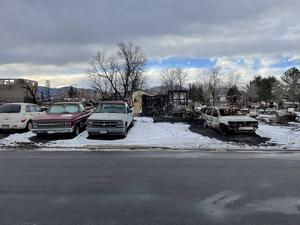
(89, 122)
(120, 124)
(68, 123)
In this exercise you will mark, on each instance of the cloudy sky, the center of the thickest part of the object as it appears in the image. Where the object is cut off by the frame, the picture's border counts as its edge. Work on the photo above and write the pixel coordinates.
(55, 39)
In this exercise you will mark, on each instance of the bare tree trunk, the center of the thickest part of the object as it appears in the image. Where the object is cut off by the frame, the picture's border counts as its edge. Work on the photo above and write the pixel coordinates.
(31, 89)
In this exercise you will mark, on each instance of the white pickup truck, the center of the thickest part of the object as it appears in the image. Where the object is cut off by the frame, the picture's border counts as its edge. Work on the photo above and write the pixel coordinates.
(110, 118)
(227, 119)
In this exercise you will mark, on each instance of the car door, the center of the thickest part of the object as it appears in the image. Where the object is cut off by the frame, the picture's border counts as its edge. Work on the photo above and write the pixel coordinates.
(209, 117)
(214, 118)
(203, 113)
(29, 112)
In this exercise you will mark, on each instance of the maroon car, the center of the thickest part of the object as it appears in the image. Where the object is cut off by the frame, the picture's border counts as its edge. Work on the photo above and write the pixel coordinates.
(63, 117)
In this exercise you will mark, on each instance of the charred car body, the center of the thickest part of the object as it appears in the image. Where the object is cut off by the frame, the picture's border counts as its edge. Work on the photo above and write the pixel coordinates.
(62, 118)
(227, 119)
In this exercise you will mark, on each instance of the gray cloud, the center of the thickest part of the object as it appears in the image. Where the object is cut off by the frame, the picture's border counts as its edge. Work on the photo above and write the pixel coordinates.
(58, 32)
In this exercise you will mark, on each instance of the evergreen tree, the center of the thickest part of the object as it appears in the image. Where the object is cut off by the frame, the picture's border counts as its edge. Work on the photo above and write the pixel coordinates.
(264, 89)
(196, 93)
(233, 95)
(291, 80)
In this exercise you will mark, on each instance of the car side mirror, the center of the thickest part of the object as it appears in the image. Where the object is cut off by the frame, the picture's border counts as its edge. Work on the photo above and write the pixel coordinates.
(130, 111)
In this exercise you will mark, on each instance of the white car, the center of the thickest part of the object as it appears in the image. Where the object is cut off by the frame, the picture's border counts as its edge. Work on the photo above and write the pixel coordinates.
(110, 118)
(227, 119)
(18, 115)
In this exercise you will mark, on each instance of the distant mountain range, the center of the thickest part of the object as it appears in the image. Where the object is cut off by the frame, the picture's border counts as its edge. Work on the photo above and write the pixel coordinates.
(62, 91)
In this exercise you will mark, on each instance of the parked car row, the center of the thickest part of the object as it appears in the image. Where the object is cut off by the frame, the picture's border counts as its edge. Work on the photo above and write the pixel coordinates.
(109, 118)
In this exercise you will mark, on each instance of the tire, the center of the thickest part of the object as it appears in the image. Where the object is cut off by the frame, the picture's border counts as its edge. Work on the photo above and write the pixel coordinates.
(91, 136)
(76, 130)
(41, 136)
(29, 126)
(131, 124)
(223, 130)
(125, 132)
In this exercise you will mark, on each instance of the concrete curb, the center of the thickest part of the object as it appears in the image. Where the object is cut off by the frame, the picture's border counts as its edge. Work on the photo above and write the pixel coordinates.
(34, 147)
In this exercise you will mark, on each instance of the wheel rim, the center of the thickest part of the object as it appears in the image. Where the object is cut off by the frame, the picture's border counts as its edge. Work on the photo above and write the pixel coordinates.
(77, 130)
(29, 126)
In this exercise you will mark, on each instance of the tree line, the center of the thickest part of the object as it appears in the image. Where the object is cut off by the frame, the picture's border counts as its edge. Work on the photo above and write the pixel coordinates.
(119, 73)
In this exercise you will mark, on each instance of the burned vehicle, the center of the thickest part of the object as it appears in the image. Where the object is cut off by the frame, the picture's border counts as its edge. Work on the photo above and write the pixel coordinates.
(61, 118)
(227, 120)
(110, 118)
(277, 116)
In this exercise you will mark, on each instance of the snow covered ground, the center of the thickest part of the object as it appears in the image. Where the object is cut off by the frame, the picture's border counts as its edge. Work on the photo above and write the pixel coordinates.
(145, 133)
(285, 136)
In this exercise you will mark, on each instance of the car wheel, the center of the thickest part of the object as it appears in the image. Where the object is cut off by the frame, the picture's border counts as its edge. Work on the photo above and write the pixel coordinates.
(76, 130)
(125, 132)
(41, 136)
(29, 126)
(131, 124)
(204, 124)
(91, 136)
(223, 130)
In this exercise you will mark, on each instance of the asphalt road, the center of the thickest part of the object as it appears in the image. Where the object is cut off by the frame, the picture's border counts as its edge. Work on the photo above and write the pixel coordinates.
(141, 188)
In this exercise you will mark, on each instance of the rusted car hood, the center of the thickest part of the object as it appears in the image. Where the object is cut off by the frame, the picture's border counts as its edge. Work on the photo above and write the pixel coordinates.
(57, 116)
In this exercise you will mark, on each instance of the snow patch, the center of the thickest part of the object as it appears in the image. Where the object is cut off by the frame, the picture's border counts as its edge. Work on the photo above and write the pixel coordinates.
(147, 133)
(286, 136)
(17, 138)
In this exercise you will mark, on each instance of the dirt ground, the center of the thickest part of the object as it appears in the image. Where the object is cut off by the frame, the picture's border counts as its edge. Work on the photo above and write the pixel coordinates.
(246, 139)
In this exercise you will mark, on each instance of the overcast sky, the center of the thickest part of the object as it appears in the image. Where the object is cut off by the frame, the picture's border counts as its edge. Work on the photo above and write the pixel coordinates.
(55, 39)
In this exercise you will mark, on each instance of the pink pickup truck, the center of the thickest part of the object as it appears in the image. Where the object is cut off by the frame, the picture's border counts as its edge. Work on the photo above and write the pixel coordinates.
(62, 118)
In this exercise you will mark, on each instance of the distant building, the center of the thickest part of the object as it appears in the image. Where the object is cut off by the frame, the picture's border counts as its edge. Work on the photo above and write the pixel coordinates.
(18, 90)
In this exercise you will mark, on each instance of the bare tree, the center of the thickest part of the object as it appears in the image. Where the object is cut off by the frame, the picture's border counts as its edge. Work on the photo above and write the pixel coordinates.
(232, 79)
(251, 90)
(174, 78)
(211, 80)
(100, 83)
(119, 73)
(31, 89)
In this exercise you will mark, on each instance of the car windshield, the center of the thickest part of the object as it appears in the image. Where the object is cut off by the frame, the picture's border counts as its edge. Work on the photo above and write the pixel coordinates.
(67, 108)
(111, 108)
(230, 112)
(10, 108)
